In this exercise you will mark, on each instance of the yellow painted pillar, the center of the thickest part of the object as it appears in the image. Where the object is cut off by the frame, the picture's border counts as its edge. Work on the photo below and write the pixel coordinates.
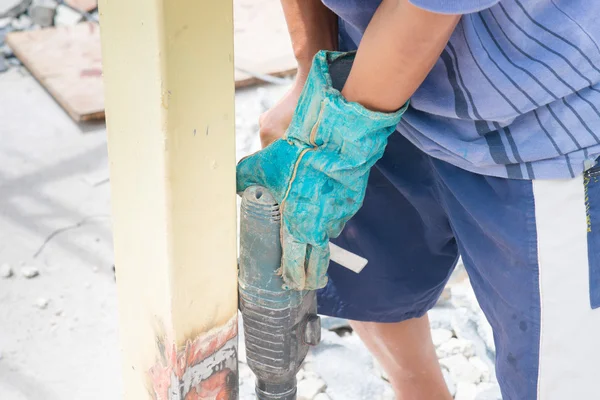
(168, 71)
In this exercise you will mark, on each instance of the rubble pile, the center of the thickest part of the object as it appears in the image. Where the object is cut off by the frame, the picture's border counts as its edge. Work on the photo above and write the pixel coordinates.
(342, 368)
(24, 15)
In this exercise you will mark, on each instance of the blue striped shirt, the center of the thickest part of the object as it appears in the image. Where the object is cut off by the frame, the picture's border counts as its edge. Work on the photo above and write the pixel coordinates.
(516, 91)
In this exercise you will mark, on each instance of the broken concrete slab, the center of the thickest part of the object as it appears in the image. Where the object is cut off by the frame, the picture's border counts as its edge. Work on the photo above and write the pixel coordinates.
(66, 16)
(461, 370)
(465, 391)
(42, 12)
(13, 8)
(22, 23)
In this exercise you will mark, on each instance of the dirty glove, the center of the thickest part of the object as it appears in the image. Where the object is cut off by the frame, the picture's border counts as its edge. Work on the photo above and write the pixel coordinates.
(318, 171)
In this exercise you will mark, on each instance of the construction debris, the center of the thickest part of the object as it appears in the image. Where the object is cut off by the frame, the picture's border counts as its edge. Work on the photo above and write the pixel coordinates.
(6, 270)
(22, 23)
(29, 272)
(42, 303)
(440, 336)
(308, 389)
(66, 16)
(42, 12)
(13, 8)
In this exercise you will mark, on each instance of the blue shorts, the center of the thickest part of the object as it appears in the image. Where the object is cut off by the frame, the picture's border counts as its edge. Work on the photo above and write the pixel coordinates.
(531, 249)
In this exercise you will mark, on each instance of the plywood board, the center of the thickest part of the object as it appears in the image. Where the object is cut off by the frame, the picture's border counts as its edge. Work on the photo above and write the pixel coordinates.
(262, 42)
(67, 62)
(83, 5)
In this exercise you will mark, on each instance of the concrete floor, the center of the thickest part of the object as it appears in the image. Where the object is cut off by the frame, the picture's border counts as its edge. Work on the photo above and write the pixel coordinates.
(54, 215)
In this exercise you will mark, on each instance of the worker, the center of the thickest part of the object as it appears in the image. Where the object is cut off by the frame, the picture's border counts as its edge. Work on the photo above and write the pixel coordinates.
(418, 130)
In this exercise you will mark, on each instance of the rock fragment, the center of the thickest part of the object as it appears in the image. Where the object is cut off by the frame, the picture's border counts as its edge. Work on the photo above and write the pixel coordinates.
(5, 270)
(440, 336)
(481, 366)
(461, 370)
(465, 391)
(456, 346)
(42, 303)
(308, 389)
(22, 23)
(42, 12)
(29, 272)
(4, 22)
(449, 382)
(65, 16)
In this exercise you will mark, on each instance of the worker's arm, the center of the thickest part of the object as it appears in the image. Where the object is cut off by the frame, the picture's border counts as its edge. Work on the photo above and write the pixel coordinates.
(312, 27)
(399, 48)
(319, 173)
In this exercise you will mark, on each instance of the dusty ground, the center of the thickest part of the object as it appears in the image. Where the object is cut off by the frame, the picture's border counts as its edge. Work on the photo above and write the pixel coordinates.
(58, 330)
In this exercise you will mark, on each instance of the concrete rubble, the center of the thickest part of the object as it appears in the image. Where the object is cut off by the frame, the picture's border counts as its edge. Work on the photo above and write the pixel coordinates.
(66, 16)
(23, 15)
(29, 272)
(42, 303)
(6, 271)
(13, 8)
(342, 368)
(42, 12)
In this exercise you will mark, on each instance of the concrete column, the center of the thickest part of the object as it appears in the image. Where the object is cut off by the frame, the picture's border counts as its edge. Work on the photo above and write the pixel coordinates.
(168, 72)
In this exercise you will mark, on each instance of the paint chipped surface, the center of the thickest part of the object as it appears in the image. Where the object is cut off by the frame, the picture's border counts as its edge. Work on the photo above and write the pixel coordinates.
(205, 368)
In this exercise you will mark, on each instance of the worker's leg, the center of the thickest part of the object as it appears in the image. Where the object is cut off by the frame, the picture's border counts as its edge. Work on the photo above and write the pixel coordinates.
(531, 252)
(406, 353)
(403, 231)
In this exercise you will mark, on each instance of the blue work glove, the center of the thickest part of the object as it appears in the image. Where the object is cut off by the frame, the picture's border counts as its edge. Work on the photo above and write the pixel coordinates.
(318, 171)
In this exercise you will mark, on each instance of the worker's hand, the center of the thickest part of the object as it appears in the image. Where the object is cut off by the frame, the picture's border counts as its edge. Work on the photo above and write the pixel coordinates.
(318, 170)
(274, 122)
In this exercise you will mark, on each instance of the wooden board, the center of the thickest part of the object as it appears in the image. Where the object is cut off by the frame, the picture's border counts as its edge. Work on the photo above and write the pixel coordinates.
(83, 5)
(67, 62)
(262, 42)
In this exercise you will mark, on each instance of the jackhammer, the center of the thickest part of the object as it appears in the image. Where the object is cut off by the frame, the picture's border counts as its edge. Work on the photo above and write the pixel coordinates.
(280, 325)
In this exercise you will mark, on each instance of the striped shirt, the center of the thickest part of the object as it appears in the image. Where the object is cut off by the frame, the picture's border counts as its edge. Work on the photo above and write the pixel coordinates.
(516, 91)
